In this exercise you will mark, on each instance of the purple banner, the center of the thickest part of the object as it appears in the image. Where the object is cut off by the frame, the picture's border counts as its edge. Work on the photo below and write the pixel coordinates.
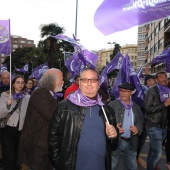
(163, 57)
(115, 63)
(5, 39)
(3, 68)
(23, 70)
(114, 15)
(81, 57)
(128, 74)
(39, 71)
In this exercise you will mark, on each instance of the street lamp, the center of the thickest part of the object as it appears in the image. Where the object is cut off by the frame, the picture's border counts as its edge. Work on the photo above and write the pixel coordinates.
(76, 18)
(111, 43)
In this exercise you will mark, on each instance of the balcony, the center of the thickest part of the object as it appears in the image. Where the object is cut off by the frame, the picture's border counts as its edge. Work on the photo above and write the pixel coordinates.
(167, 44)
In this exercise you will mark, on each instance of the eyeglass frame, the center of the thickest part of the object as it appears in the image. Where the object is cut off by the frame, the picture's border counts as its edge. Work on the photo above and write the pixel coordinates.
(92, 80)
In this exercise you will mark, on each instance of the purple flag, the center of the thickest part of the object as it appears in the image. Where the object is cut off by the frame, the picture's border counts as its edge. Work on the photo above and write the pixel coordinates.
(139, 73)
(39, 71)
(3, 68)
(128, 74)
(114, 15)
(163, 57)
(23, 70)
(115, 63)
(81, 57)
(5, 39)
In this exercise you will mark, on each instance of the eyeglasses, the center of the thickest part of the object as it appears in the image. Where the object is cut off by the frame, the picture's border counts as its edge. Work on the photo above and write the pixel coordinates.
(17, 82)
(124, 91)
(85, 80)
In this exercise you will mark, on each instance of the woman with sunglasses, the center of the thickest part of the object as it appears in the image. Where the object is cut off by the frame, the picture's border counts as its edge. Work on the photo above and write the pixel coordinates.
(14, 108)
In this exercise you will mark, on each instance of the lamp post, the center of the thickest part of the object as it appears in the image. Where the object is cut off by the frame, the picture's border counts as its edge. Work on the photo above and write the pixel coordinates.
(76, 18)
(111, 43)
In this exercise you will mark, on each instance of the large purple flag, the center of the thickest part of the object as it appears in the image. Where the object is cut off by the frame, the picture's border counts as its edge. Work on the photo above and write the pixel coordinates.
(39, 71)
(115, 63)
(115, 15)
(81, 57)
(3, 68)
(5, 39)
(128, 74)
(23, 70)
(163, 57)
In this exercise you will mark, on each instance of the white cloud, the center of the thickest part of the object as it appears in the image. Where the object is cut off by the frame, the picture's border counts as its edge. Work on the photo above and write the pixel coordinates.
(26, 16)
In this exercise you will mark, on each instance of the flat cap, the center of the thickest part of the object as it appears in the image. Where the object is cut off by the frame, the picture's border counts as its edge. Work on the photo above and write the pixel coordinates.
(127, 86)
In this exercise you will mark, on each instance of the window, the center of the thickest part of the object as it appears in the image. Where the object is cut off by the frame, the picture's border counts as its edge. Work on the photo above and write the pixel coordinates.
(152, 51)
(15, 46)
(156, 47)
(22, 41)
(160, 43)
(29, 42)
(156, 30)
(161, 24)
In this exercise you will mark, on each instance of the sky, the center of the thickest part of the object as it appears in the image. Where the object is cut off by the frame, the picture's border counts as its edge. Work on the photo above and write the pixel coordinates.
(26, 16)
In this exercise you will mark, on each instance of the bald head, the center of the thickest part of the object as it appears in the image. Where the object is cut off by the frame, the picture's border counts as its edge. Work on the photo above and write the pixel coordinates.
(5, 77)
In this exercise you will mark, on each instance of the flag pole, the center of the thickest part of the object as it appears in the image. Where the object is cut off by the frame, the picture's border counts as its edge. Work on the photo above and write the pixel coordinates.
(10, 59)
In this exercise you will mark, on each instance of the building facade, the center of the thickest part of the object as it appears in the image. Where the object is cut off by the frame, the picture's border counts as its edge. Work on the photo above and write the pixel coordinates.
(157, 38)
(17, 42)
(131, 49)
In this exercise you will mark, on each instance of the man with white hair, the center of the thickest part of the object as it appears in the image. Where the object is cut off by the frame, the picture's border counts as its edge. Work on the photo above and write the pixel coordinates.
(33, 148)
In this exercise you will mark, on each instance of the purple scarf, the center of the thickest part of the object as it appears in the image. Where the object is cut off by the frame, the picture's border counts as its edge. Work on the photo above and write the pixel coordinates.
(79, 99)
(56, 95)
(19, 95)
(164, 92)
(125, 105)
(28, 91)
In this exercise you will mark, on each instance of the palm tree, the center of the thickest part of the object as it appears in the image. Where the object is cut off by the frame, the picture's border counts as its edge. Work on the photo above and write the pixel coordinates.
(51, 43)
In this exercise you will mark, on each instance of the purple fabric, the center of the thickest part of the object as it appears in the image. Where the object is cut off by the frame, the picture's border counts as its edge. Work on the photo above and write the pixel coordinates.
(80, 58)
(79, 99)
(39, 71)
(28, 91)
(114, 15)
(139, 73)
(56, 95)
(3, 68)
(18, 96)
(128, 74)
(113, 65)
(5, 39)
(164, 92)
(163, 57)
(23, 70)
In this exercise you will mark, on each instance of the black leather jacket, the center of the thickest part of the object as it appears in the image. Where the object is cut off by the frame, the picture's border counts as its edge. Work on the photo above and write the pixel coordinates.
(64, 134)
(156, 111)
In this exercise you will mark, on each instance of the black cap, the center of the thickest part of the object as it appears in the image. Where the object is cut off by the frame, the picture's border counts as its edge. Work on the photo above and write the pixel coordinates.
(149, 76)
(127, 86)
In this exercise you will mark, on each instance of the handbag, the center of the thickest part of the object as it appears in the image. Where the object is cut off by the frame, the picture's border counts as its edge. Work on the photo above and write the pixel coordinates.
(3, 122)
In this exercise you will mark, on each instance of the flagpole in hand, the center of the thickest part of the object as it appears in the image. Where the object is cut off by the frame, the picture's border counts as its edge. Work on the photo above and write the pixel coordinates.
(105, 115)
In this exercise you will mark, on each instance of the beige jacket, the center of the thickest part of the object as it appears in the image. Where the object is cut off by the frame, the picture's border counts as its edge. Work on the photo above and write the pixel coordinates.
(20, 112)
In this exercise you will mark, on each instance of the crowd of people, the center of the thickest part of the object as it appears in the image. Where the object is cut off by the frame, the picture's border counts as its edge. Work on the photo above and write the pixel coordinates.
(82, 127)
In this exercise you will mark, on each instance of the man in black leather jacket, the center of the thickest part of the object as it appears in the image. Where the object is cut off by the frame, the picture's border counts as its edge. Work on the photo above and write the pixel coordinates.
(155, 105)
(79, 133)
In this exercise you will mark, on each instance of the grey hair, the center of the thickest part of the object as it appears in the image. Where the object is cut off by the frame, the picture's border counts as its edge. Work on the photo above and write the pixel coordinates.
(47, 81)
(5, 71)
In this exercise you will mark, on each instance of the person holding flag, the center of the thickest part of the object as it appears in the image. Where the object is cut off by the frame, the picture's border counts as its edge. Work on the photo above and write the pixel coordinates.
(13, 107)
(130, 124)
(82, 128)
